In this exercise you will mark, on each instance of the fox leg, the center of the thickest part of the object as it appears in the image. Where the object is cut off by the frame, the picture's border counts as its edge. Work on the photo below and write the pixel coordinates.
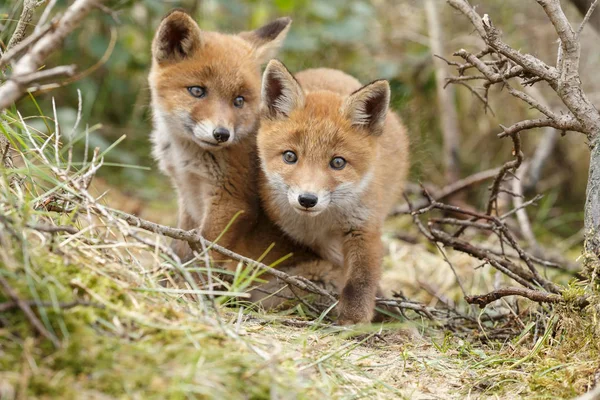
(362, 265)
(219, 216)
(185, 222)
(320, 272)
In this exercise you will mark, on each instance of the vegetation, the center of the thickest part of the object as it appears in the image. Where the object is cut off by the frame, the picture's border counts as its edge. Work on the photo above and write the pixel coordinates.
(84, 309)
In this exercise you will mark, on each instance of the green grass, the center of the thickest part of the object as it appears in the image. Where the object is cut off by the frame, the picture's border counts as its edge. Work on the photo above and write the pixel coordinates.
(132, 337)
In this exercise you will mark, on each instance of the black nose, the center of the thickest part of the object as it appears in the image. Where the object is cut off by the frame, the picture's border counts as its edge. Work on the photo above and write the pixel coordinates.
(308, 200)
(221, 134)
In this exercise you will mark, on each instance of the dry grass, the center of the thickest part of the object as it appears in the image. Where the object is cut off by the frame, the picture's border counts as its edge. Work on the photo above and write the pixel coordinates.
(132, 337)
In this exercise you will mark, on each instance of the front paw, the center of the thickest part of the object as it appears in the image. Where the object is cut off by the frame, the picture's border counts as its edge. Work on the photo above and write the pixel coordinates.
(354, 308)
(182, 250)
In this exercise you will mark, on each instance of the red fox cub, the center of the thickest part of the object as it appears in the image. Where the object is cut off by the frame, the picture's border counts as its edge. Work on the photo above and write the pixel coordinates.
(334, 161)
(205, 100)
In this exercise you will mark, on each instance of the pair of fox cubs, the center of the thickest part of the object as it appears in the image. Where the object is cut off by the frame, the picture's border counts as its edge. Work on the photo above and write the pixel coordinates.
(315, 161)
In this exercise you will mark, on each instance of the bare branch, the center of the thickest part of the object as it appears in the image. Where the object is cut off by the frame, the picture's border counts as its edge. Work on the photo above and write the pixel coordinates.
(534, 295)
(63, 70)
(564, 123)
(451, 189)
(24, 306)
(587, 16)
(194, 238)
(23, 45)
(29, 7)
(12, 90)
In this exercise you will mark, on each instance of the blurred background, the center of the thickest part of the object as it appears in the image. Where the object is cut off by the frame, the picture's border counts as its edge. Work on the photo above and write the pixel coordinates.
(389, 39)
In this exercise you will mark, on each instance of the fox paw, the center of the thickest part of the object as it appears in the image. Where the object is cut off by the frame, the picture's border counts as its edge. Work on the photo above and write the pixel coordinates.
(354, 312)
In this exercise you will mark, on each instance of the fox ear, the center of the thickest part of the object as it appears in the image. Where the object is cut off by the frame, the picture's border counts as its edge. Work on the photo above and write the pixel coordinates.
(368, 106)
(281, 93)
(178, 36)
(268, 39)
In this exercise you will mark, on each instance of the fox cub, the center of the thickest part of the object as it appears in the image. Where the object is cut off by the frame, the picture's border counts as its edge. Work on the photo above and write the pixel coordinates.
(205, 100)
(334, 161)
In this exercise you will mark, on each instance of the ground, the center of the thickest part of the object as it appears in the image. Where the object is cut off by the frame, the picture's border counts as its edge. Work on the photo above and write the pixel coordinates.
(128, 336)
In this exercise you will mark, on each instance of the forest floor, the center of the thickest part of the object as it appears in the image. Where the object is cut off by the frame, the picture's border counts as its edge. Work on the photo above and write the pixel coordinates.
(130, 337)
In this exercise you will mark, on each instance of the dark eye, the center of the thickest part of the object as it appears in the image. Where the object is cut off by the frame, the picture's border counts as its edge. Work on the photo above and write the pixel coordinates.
(197, 91)
(337, 163)
(238, 102)
(290, 157)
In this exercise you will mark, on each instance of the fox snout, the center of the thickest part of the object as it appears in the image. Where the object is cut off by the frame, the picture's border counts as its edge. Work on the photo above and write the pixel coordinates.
(221, 134)
(308, 202)
(208, 135)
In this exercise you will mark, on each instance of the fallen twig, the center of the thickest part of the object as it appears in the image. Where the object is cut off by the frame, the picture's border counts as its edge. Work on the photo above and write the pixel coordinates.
(534, 295)
(9, 305)
(25, 307)
(450, 190)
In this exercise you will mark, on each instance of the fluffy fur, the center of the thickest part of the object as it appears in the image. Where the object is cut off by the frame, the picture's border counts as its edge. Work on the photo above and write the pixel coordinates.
(214, 179)
(319, 115)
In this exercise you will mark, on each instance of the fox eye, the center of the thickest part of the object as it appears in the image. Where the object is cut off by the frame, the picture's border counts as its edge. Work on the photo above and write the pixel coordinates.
(197, 91)
(337, 163)
(289, 157)
(238, 102)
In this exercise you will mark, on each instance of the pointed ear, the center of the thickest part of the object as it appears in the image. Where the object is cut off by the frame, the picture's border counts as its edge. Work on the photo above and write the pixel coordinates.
(281, 93)
(177, 37)
(368, 106)
(268, 39)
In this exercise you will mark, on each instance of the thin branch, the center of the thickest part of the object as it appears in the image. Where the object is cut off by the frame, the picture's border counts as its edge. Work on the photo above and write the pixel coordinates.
(587, 16)
(9, 305)
(63, 70)
(450, 190)
(564, 123)
(23, 45)
(12, 90)
(29, 7)
(194, 238)
(534, 295)
(24, 306)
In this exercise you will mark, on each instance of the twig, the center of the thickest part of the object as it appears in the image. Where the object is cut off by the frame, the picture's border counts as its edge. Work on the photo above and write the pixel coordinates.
(27, 79)
(194, 238)
(23, 45)
(563, 123)
(451, 189)
(29, 7)
(12, 90)
(24, 306)
(9, 305)
(534, 295)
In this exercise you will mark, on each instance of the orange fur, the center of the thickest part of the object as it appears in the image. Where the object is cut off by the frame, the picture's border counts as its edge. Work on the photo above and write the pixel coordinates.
(320, 115)
(215, 179)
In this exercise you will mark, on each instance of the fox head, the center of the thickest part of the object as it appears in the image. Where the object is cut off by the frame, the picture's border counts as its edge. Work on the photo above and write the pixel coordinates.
(206, 85)
(318, 149)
